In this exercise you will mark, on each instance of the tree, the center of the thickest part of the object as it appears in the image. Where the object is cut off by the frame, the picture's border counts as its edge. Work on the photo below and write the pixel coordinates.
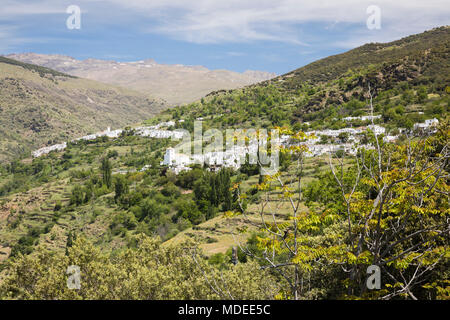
(281, 246)
(147, 272)
(170, 190)
(120, 186)
(400, 224)
(106, 172)
(422, 94)
(187, 209)
(153, 209)
(388, 209)
(343, 136)
(323, 139)
(77, 196)
(71, 237)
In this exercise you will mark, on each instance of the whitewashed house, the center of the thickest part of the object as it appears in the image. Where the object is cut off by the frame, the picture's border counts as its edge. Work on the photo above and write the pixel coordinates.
(46, 150)
(429, 124)
(159, 134)
(390, 139)
(377, 129)
(362, 118)
(171, 158)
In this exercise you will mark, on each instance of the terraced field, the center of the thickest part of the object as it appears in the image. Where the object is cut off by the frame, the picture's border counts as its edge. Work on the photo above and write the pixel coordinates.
(221, 233)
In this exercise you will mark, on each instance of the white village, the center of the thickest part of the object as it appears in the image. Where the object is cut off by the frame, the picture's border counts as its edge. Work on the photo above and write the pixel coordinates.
(235, 156)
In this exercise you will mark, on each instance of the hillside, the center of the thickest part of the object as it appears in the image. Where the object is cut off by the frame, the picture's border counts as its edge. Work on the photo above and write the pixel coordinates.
(176, 84)
(324, 92)
(105, 194)
(39, 106)
(411, 48)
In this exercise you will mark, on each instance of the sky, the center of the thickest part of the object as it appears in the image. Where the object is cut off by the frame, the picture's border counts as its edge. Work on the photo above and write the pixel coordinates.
(276, 36)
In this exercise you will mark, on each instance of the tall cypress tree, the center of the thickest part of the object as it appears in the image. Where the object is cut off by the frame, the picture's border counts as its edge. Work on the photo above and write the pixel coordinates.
(228, 199)
(213, 195)
(106, 172)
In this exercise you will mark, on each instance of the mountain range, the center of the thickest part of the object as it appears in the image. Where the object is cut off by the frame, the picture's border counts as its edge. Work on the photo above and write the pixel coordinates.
(40, 106)
(110, 192)
(175, 84)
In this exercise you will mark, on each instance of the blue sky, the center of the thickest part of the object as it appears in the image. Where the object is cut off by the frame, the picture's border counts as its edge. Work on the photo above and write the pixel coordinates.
(276, 35)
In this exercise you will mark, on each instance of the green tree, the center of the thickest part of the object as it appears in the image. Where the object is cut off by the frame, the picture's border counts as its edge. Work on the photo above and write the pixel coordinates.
(120, 186)
(148, 272)
(77, 197)
(106, 172)
(343, 136)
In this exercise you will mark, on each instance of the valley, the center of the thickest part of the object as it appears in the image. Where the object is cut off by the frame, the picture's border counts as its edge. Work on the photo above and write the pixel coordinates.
(39, 106)
(362, 180)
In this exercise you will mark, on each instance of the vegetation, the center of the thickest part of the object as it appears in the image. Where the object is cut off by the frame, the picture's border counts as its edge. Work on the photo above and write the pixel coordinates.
(389, 208)
(147, 271)
(309, 232)
(41, 107)
(41, 70)
(319, 95)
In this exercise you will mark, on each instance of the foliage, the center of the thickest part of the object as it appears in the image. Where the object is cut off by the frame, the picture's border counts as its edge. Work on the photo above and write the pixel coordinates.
(148, 272)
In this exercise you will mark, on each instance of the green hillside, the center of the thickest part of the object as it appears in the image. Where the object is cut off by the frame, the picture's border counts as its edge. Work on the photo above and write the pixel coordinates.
(109, 204)
(39, 107)
(43, 71)
(413, 48)
(402, 75)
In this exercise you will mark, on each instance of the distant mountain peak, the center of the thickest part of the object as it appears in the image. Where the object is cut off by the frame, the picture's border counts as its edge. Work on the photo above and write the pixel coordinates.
(176, 83)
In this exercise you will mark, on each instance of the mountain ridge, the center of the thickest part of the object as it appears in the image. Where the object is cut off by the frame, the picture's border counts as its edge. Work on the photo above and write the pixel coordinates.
(326, 68)
(39, 106)
(330, 84)
(176, 84)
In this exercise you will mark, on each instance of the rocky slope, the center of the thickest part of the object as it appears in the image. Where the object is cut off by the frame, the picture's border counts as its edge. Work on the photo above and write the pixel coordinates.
(176, 84)
(39, 106)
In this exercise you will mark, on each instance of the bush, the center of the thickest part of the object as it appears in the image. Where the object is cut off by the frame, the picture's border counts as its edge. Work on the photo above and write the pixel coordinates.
(58, 206)
(171, 190)
(187, 209)
(160, 273)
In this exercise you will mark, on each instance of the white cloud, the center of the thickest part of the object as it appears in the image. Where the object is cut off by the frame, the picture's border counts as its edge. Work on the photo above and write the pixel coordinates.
(14, 8)
(219, 21)
(209, 21)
